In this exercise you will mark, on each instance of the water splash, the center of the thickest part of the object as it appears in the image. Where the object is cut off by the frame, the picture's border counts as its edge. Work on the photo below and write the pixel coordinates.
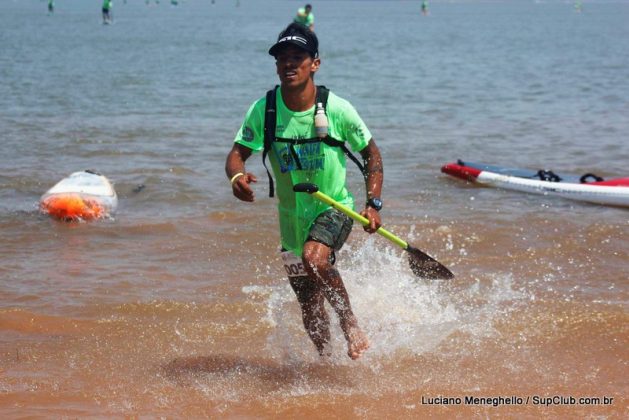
(401, 314)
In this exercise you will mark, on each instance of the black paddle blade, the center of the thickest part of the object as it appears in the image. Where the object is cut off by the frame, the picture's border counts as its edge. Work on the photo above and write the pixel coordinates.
(423, 265)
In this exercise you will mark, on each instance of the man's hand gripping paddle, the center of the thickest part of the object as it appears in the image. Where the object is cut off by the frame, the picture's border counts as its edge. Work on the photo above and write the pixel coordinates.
(422, 265)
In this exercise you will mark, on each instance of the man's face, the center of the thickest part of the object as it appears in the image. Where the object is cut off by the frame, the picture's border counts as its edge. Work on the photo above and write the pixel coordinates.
(294, 66)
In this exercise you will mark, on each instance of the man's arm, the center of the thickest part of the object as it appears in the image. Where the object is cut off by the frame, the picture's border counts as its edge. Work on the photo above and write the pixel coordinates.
(374, 175)
(235, 170)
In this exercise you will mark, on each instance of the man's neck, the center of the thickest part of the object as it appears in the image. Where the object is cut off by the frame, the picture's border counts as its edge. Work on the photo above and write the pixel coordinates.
(300, 98)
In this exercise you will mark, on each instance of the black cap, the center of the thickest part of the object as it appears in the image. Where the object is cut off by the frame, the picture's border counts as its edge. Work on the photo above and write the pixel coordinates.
(298, 35)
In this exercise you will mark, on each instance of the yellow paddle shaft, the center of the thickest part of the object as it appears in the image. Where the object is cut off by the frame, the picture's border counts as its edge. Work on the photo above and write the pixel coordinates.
(359, 218)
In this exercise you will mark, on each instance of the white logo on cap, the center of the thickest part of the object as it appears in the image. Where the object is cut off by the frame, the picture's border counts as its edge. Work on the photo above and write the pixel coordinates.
(293, 38)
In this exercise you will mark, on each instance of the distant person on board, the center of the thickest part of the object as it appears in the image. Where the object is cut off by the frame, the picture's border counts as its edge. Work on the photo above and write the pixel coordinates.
(51, 6)
(425, 7)
(310, 231)
(305, 17)
(107, 5)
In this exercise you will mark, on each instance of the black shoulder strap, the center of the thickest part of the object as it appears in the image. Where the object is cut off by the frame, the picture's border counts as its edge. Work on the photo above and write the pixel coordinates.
(322, 97)
(269, 132)
(354, 159)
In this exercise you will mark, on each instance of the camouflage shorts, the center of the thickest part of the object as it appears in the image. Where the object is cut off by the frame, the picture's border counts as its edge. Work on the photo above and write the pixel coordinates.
(331, 228)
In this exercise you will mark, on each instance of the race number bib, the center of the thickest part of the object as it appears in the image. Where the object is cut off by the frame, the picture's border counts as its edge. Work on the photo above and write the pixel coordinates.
(293, 265)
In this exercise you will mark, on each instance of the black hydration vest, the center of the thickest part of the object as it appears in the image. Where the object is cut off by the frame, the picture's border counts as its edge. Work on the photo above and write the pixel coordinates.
(270, 122)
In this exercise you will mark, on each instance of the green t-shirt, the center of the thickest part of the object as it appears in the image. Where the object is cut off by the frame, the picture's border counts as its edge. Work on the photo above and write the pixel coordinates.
(304, 20)
(322, 165)
(107, 4)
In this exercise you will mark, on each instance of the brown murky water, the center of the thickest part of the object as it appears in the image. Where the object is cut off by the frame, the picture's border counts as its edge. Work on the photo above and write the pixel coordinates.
(159, 320)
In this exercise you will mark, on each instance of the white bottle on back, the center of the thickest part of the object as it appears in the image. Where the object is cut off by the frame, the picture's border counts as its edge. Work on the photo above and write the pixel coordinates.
(321, 121)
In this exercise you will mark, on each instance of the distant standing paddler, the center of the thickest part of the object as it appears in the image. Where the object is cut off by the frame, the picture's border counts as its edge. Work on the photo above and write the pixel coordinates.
(425, 7)
(107, 5)
(305, 17)
(51, 6)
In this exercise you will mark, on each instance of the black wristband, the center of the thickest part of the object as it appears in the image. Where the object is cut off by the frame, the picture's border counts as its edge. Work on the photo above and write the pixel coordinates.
(375, 203)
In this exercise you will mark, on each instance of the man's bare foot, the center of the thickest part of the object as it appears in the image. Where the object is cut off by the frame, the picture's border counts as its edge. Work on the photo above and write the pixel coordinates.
(325, 351)
(357, 343)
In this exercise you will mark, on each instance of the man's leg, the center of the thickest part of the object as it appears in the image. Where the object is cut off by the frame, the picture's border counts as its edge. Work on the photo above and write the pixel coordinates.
(316, 258)
(316, 320)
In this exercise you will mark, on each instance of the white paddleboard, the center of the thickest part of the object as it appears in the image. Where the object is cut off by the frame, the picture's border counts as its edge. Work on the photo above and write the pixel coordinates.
(84, 195)
(612, 192)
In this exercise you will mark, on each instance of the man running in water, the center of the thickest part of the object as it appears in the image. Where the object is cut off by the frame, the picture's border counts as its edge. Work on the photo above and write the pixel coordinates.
(310, 231)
